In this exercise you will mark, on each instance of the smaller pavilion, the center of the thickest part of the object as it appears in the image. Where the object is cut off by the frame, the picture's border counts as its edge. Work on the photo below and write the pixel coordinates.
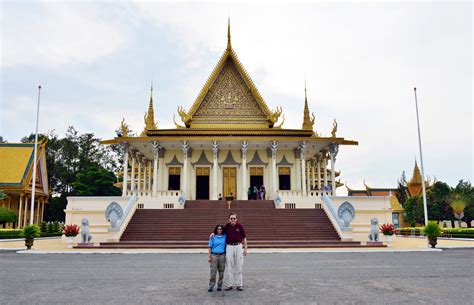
(16, 175)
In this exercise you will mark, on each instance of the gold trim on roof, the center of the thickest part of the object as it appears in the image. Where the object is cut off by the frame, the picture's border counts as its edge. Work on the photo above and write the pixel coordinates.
(229, 54)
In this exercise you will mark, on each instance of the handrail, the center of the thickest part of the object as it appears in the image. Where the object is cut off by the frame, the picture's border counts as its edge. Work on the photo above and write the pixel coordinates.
(131, 205)
(332, 214)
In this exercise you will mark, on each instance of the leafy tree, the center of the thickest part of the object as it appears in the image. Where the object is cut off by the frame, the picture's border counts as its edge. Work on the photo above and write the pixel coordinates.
(95, 181)
(465, 191)
(401, 194)
(437, 199)
(414, 211)
(75, 164)
(7, 216)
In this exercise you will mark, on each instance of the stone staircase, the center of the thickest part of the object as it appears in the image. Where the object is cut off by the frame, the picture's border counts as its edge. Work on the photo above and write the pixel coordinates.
(266, 226)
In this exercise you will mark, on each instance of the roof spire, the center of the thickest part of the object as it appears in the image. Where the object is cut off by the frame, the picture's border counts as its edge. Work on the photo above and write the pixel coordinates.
(307, 121)
(150, 115)
(229, 46)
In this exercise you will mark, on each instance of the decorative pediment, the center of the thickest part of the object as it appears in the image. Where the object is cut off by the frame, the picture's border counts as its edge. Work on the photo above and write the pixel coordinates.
(256, 160)
(284, 162)
(229, 99)
(202, 161)
(229, 160)
(174, 162)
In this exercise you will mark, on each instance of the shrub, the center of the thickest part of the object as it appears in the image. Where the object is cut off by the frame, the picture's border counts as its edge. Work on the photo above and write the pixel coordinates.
(387, 229)
(432, 229)
(7, 216)
(56, 227)
(50, 228)
(30, 231)
(71, 230)
(9, 233)
(44, 227)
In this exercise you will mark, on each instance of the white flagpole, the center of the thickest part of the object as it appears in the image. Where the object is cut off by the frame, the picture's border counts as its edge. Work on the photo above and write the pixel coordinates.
(32, 208)
(425, 207)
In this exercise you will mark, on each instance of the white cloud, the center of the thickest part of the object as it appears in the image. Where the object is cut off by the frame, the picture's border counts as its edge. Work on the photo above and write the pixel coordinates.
(55, 34)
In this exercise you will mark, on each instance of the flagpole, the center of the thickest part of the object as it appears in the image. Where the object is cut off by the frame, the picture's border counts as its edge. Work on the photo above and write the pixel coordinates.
(32, 207)
(425, 208)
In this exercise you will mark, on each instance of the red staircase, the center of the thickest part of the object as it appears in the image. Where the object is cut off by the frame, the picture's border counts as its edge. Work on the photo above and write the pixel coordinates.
(266, 226)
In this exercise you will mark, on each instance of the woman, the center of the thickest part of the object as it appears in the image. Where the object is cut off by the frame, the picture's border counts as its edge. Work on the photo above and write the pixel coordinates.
(216, 258)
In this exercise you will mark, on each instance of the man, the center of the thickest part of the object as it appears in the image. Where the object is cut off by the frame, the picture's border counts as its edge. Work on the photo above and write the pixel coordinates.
(234, 259)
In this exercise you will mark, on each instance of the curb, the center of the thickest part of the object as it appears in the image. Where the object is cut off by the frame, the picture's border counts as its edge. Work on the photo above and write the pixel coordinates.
(258, 252)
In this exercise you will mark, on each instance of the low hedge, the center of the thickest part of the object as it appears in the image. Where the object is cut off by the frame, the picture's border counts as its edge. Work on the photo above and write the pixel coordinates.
(15, 233)
(447, 232)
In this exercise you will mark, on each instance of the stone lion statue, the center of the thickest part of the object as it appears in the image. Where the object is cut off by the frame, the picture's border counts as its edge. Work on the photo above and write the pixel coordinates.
(85, 232)
(374, 230)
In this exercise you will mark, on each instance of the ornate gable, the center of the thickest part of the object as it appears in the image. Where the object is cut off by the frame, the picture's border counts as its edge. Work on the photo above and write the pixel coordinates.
(229, 99)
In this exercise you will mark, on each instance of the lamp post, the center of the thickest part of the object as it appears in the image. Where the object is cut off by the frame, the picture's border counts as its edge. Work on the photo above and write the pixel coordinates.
(32, 208)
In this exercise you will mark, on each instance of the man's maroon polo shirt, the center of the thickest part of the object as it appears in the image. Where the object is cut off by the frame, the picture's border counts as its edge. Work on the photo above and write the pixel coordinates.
(235, 234)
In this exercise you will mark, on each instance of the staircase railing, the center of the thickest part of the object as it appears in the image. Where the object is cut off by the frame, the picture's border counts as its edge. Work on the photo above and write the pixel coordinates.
(344, 232)
(130, 208)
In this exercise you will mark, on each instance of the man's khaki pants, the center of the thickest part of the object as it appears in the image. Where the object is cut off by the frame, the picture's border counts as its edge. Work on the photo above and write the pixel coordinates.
(234, 260)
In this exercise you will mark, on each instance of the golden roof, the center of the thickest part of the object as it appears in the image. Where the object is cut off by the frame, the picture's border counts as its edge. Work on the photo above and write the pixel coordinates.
(15, 160)
(415, 184)
(229, 99)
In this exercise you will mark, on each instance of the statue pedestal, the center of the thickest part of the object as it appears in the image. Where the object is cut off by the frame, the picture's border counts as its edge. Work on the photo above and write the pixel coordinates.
(83, 245)
(374, 244)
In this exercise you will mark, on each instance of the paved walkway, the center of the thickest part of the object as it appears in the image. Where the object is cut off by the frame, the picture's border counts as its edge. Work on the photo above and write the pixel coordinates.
(399, 244)
(285, 278)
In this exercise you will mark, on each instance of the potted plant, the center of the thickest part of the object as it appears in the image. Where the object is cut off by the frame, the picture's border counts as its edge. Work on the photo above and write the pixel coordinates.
(432, 231)
(70, 231)
(387, 230)
(29, 232)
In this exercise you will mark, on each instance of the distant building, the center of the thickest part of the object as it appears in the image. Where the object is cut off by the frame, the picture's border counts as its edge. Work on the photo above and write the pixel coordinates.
(16, 174)
(411, 188)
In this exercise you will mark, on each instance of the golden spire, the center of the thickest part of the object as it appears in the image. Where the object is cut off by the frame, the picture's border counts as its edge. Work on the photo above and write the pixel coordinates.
(307, 121)
(229, 46)
(414, 185)
(150, 116)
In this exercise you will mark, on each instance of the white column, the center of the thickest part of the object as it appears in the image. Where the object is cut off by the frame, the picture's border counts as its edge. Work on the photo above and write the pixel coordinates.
(297, 153)
(325, 165)
(25, 212)
(333, 149)
(303, 168)
(145, 170)
(184, 188)
(308, 175)
(132, 177)
(149, 177)
(215, 167)
(20, 209)
(156, 146)
(161, 168)
(139, 180)
(244, 146)
(313, 171)
(274, 148)
(318, 161)
(125, 169)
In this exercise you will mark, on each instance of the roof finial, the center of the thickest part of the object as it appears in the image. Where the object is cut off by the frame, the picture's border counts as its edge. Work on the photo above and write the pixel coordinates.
(229, 46)
(308, 122)
(150, 115)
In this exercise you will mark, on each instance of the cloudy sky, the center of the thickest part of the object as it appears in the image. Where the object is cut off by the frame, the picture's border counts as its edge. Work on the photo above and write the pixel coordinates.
(361, 60)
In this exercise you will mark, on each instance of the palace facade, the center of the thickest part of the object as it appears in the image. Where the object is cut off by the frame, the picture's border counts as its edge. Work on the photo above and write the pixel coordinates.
(228, 141)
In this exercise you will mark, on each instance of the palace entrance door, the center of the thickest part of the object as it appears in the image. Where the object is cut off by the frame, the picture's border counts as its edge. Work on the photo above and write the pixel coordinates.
(202, 183)
(230, 181)
(256, 179)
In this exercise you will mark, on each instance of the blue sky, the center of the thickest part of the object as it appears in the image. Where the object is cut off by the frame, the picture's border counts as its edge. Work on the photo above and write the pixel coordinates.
(361, 60)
